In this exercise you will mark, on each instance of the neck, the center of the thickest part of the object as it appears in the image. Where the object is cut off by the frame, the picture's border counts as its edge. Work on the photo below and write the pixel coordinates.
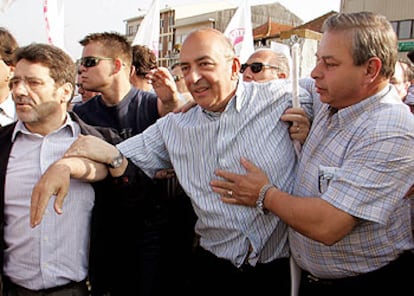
(116, 93)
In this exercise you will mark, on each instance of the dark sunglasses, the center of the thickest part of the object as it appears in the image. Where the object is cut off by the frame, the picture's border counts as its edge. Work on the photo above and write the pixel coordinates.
(90, 61)
(256, 67)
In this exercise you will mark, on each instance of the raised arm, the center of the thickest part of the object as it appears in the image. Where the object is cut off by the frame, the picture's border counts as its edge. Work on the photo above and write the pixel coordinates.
(166, 90)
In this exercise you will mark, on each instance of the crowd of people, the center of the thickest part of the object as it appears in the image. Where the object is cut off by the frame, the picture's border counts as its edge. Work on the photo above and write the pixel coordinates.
(187, 180)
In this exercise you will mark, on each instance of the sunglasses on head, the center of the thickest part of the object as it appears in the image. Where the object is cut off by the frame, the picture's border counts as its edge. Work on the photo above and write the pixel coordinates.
(90, 61)
(256, 67)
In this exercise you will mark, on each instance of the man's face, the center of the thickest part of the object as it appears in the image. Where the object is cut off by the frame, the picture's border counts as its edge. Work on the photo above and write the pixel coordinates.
(209, 73)
(338, 81)
(399, 82)
(99, 76)
(5, 72)
(266, 73)
(35, 93)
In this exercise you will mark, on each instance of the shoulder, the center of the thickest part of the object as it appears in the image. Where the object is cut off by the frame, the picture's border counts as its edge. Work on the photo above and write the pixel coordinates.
(105, 133)
(91, 104)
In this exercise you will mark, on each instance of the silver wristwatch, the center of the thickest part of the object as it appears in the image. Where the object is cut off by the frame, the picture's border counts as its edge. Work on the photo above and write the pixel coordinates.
(116, 162)
(260, 200)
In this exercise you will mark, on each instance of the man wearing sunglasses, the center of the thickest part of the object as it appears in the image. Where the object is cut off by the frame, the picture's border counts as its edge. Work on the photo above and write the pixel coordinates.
(265, 65)
(129, 263)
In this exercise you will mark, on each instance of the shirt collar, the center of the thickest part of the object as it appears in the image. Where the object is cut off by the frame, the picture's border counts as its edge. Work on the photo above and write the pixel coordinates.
(20, 127)
(387, 95)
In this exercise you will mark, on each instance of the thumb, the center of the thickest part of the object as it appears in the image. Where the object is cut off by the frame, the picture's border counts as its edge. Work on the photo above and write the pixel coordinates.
(60, 197)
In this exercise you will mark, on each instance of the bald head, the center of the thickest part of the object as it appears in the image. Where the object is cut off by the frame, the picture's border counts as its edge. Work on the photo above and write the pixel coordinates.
(275, 66)
(210, 68)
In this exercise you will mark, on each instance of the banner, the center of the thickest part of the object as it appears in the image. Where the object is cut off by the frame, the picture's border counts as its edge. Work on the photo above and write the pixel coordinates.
(240, 31)
(54, 21)
(5, 4)
(149, 30)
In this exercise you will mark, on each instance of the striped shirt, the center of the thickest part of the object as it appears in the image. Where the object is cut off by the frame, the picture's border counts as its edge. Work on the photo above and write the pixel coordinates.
(360, 160)
(197, 142)
(56, 251)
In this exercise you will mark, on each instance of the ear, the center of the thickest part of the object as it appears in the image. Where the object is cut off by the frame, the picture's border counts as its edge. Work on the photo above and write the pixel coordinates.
(373, 68)
(67, 92)
(281, 75)
(118, 65)
(235, 68)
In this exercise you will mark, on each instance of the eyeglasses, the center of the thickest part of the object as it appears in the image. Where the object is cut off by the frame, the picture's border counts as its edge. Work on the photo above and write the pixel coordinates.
(256, 67)
(89, 62)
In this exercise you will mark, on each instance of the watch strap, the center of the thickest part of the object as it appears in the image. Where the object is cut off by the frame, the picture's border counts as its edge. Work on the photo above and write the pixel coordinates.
(260, 200)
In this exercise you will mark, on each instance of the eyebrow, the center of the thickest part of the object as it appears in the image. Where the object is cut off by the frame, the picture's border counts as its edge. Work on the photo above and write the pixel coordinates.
(197, 60)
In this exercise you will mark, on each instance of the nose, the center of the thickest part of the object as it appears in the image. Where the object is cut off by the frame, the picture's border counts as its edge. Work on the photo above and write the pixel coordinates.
(316, 72)
(247, 76)
(192, 76)
(19, 88)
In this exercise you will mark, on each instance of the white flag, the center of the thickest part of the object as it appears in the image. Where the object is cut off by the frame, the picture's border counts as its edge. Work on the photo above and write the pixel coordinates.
(5, 4)
(149, 30)
(240, 31)
(54, 21)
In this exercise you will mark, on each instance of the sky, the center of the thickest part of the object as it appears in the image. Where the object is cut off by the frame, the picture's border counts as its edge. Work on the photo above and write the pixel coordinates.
(25, 20)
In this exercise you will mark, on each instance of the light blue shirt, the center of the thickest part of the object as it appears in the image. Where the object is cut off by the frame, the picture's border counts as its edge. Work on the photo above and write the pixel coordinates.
(56, 251)
(198, 142)
(361, 161)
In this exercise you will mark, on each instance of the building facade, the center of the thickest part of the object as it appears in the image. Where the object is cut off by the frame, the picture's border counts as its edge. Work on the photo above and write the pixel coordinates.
(176, 23)
(399, 12)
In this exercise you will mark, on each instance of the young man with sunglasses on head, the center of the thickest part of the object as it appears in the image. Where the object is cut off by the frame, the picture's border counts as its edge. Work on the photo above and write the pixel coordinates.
(130, 263)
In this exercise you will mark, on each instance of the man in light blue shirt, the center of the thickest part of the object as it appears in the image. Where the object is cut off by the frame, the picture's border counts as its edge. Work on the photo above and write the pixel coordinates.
(231, 119)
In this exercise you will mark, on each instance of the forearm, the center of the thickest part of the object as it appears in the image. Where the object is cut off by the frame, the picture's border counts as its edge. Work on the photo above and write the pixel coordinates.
(84, 169)
(311, 216)
(169, 105)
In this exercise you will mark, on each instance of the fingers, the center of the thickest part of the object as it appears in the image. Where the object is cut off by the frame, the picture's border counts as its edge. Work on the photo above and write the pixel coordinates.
(249, 166)
(38, 206)
(230, 200)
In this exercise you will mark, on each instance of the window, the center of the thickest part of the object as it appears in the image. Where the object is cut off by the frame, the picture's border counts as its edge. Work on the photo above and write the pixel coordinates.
(404, 29)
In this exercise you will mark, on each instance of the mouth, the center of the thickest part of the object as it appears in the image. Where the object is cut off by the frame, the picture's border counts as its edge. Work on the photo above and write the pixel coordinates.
(199, 91)
(319, 89)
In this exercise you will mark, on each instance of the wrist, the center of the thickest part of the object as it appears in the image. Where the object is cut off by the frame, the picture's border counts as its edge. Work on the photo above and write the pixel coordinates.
(260, 202)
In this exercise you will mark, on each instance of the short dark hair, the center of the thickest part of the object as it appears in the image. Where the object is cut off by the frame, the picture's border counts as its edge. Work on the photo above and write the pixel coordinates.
(114, 45)
(61, 66)
(8, 46)
(143, 59)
